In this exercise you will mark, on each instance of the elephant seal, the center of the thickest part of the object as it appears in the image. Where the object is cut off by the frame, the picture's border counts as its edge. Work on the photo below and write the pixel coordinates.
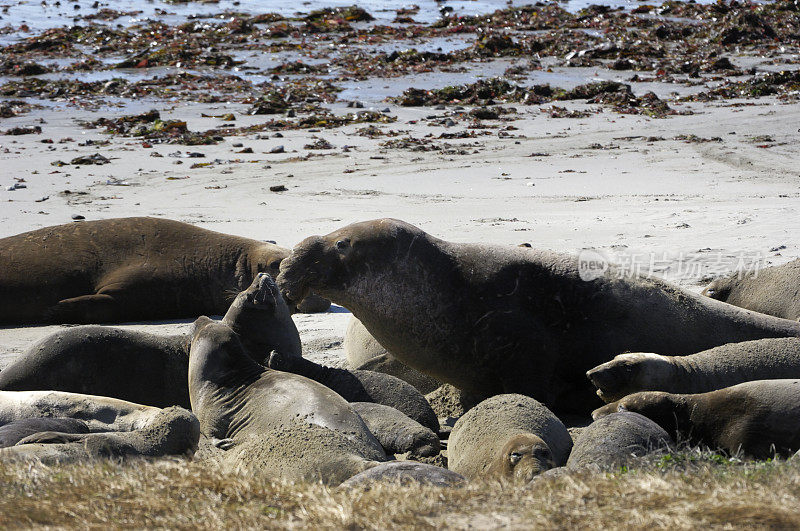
(13, 432)
(396, 432)
(275, 423)
(502, 319)
(116, 428)
(760, 418)
(507, 436)
(405, 473)
(363, 352)
(362, 386)
(615, 440)
(126, 269)
(772, 290)
(146, 368)
(716, 368)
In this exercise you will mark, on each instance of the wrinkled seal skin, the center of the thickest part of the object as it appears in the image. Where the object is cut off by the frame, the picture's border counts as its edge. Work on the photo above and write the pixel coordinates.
(126, 269)
(278, 424)
(493, 319)
(146, 368)
(365, 353)
(772, 290)
(363, 386)
(616, 439)
(396, 432)
(716, 368)
(507, 436)
(760, 418)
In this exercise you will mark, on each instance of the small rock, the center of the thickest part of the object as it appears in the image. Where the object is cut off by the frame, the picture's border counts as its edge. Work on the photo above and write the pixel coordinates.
(245, 150)
(237, 145)
(277, 188)
(78, 217)
(278, 149)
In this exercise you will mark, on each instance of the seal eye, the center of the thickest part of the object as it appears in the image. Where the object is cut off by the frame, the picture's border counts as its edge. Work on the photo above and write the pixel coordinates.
(343, 245)
(515, 458)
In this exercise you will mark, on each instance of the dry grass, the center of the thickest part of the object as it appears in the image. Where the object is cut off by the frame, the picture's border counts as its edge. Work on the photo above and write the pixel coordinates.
(679, 491)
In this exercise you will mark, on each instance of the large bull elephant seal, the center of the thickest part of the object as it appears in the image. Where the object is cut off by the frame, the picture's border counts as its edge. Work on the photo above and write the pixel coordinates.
(716, 368)
(363, 386)
(772, 290)
(274, 423)
(500, 319)
(615, 440)
(146, 368)
(116, 428)
(126, 269)
(760, 418)
(507, 436)
(365, 353)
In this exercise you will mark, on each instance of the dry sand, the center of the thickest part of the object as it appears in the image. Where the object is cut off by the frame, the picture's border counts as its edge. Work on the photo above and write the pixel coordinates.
(695, 209)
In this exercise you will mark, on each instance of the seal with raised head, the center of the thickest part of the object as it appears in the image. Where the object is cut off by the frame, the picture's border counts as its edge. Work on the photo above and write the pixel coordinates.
(147, 368)
(760, 418)
(716, 368)
(126, 269)
(500, 319)
(507, 436)
(772, 290)
(363, 352)
(272, 422)
(83, 427)
(615, 440)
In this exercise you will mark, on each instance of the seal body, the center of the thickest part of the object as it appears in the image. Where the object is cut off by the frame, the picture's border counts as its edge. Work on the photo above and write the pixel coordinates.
(396, 432)
(126, 269)
(147, 368)
(760, 418)
(616, 439)
(716, 368)
(772, 290)
(275, 423)
(495, 319)
(507, 436)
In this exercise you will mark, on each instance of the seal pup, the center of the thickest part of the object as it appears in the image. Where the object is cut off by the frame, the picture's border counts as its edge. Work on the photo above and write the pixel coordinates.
(363, 386)
(716, 368)
(772, 290)
(147, 368)
(760, 418)
(500, 319)
(615, 440)
(363, 352)
(126, 269)
(507, 436)
(397, 433)
(272, 422)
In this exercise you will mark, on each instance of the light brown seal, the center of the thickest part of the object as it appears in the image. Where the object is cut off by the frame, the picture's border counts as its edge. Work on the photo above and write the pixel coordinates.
(501, 319)
(274, 423)
(126, 269)
(760, 418)
(716, 368)
(147, 368)
(772, 290)
(507, 436)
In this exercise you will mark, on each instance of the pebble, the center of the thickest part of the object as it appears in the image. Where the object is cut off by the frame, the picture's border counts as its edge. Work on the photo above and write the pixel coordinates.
(78, 217)
(277, 188)
(278, 149)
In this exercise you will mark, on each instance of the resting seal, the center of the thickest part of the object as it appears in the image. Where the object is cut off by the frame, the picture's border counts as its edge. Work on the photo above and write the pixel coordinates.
(396, 432)
(365, 353)
(614, 440)
(716, 368)
(126, 269)
(507, 436)
(501, 319)
(116, 428)
(275, 423)
(772, 290)
(760, 418)
(146, 368)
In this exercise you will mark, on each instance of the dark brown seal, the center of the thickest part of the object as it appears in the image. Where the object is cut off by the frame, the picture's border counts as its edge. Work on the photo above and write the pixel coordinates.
(760, 418)
(772, 290)
(126, 269)
(494, 319)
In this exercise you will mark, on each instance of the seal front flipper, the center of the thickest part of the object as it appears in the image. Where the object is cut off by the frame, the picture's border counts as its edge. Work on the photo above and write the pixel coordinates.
(51, 437)
(97, 308)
